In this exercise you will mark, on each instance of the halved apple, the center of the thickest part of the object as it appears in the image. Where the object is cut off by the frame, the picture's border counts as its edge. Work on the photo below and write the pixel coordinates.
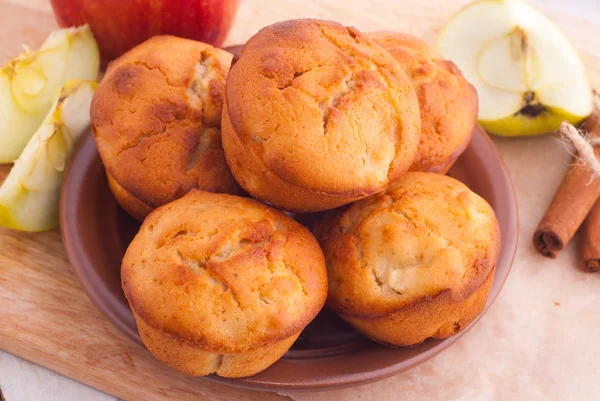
(29, 195)
(528, 75)
(31, 82)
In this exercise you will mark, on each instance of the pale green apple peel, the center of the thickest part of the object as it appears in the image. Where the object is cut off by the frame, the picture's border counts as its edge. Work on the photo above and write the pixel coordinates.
(529, 77)
(522, 125)
(31, 82)
(30, 194)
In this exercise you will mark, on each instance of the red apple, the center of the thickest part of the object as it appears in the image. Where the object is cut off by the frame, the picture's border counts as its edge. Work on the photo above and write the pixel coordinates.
(119, 25)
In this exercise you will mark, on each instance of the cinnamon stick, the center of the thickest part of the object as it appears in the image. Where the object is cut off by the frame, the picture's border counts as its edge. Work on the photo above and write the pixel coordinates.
(572, 202)
(590, 240)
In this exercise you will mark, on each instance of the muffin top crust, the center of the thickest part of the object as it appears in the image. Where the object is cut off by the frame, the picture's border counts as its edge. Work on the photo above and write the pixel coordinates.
(228, 274)
(426, 234)
(156, 119)
(323, 107)
(448, 102)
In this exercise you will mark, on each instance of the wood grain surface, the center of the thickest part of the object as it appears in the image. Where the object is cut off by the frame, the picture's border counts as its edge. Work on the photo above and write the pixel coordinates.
(45, 316)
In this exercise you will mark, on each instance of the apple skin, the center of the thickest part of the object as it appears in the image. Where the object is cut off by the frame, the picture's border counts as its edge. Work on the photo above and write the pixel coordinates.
(119, 25)
(521, 125)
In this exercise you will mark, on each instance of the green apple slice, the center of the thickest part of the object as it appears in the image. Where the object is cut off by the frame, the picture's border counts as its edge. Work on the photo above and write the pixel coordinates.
(528, 75)
(29, 195)
(31, 82)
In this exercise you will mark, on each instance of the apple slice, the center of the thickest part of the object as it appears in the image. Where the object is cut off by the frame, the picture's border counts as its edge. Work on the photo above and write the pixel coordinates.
(528, 75)
(30, 83)
(29, 195)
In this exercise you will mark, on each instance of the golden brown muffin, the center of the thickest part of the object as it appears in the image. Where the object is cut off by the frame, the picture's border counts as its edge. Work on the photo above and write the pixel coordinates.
(132, 205)
(222, 284)
(413, 262)
(156, 119)
(448, 102)
(317, 116)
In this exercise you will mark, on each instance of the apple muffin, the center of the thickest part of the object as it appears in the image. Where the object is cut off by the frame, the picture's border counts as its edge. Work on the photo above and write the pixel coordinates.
(448, 102)
(222, 284)
(132, 205)
(156, 119)
(413, 262)
(317, 115)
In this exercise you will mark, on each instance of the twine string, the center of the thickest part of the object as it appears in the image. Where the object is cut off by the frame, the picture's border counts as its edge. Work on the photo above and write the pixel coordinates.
(583, 146)
(583, 142)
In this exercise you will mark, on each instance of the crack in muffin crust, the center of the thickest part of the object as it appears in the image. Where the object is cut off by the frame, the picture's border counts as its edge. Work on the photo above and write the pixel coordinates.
(155, 68)
(156, 120)
(453, 242)
(413, 262)
(309, 89)
(251, 274)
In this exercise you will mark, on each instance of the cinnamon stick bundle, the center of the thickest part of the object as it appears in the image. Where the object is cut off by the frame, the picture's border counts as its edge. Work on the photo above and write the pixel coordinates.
(572, 202)
(590, 240)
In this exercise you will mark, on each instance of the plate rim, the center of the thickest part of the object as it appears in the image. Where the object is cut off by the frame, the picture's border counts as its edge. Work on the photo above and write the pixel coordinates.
(93, 292)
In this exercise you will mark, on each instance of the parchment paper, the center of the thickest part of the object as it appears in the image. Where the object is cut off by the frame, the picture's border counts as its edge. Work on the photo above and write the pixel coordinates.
(540, 340)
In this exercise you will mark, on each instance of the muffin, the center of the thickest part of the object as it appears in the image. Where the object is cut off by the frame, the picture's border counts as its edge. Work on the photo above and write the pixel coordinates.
(317, 115)
(132, 205)
(447, 101)
(222, 284)
(413, 262)
(156, 119)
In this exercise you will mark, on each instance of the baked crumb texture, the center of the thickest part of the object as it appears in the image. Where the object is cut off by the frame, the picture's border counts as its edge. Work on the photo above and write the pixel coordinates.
(222, 284)
(413, 262)
(156, 119)
(132, 205)
(317, 116)
(448, 102)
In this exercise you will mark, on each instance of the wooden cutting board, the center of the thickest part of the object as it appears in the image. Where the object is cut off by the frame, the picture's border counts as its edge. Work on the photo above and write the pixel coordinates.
(45, 316)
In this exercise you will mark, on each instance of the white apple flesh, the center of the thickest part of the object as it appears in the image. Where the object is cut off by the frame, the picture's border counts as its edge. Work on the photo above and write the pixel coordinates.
(528, 75)
(29, 196)
(31, 82)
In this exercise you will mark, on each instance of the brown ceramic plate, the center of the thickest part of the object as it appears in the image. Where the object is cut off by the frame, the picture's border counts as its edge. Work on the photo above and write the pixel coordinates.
(328, 354)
